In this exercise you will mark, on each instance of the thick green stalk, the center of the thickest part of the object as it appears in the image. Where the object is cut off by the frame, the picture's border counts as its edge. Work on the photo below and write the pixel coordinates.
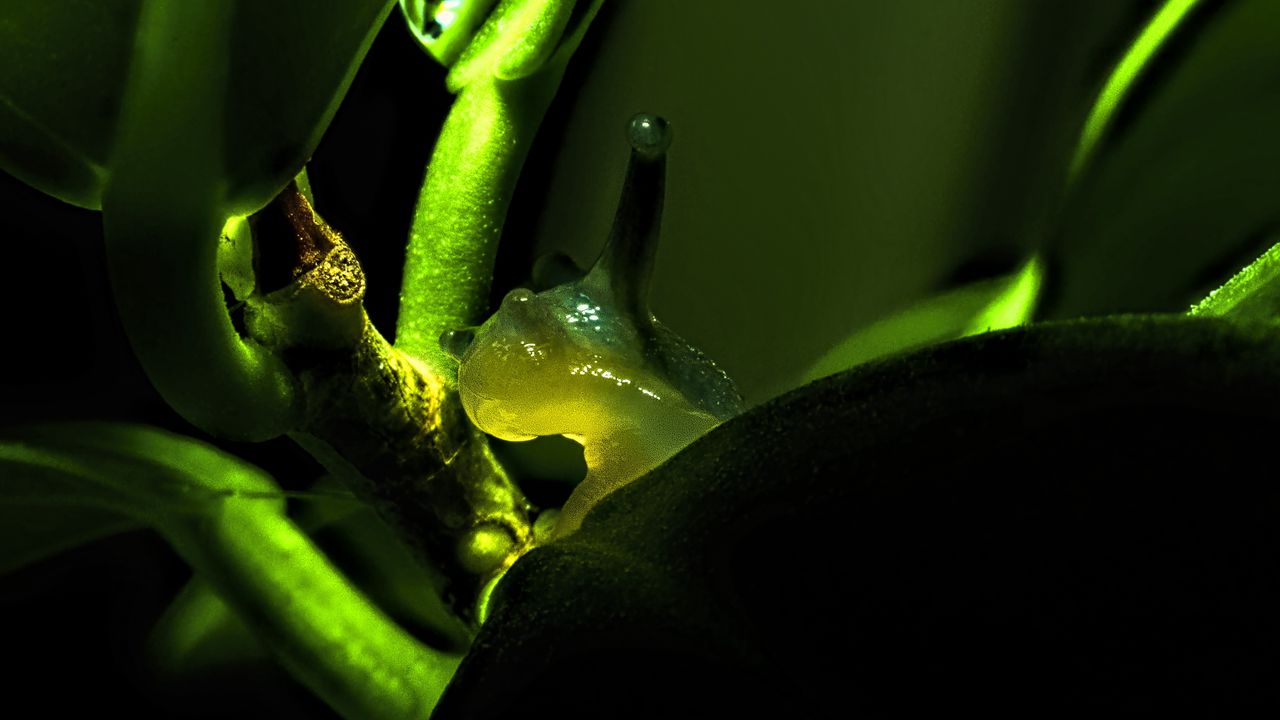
(472, 174)
(227, 519)
(377, 419)
(328, 634)
(163, 213)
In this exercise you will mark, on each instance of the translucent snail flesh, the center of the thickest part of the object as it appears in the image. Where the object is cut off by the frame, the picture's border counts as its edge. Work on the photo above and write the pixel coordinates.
(586, 359)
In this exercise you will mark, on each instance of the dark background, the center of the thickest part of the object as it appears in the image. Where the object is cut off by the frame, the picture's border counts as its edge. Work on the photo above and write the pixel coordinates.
(833, 163)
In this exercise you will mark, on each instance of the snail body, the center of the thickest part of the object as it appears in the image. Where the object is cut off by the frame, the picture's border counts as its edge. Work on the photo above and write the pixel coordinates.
(586, 359)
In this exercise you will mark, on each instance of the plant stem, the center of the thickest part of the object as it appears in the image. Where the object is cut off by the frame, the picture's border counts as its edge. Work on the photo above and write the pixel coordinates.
(328, 635)
(162, 215)
(376, 418)
(464, 198)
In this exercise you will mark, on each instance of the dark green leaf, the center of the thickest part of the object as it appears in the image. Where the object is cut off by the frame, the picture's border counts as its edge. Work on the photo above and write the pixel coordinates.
(61, 485)
(62, 72)
(63, 67)
(291, 64)
(32, 533)
(1062, 515)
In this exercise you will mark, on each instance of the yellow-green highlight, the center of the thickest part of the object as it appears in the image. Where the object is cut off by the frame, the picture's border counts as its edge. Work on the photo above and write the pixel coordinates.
(1014, 302)
(1252, 293)
(985, 306)
(322, 628)
(1123, 78)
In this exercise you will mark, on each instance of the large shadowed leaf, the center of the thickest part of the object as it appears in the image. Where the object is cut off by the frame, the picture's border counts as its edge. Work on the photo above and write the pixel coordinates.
(1184, 190)
(1068, 516)
(63, 67)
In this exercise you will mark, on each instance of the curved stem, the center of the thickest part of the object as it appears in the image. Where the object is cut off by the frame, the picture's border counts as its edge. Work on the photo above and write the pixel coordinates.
(323, 629)
(464, 199)
(162, 215)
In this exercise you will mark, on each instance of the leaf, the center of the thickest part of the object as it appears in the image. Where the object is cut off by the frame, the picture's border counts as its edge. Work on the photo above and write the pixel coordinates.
(1064, 514)
(62, 72)
(1251, 294)
(74, 483)
(63, 68)
(291, 64)
(1183, 190)
(980, 307)
(136, 470)
(28, 535)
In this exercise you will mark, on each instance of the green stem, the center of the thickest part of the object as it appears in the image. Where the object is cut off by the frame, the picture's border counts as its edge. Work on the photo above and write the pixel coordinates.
(162, 216)
(227, 519)
(326, 633)
(464, 198)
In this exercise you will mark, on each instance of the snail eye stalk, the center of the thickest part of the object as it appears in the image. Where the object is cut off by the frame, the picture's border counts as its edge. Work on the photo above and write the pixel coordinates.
(625, 266)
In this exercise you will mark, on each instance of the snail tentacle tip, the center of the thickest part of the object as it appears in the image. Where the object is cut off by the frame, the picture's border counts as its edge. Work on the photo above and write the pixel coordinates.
(650, 135)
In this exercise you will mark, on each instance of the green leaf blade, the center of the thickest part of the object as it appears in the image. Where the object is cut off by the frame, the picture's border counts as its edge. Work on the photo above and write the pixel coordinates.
(1183, 181)
(994, 304)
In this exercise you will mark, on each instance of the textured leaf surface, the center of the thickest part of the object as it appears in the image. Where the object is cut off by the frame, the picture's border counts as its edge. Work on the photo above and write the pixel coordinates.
(1068, 514)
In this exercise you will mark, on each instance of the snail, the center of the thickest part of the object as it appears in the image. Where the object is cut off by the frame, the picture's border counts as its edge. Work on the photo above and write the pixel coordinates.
(586, 359)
